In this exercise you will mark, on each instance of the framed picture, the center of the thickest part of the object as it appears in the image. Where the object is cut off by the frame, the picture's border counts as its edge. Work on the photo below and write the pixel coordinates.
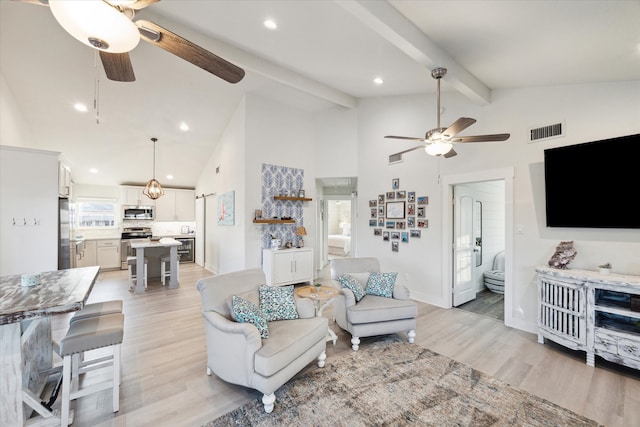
(381, 222)
(385, 236)
(395, 183)
(395, 210)
(404, 237)
(415, 233)
(401, 194)
(373, 223)
(381, 210)
(411, 221)
(421, 212)
(394, 247)
(226, 208)
(391, 224)
(380, 198)
(395, 235)
(411, 209)
(377, 232)
(423, 223)
(391, 195)
(373, 203)
(374, 212)
(400, 225)
(411, 196)
(423, 200)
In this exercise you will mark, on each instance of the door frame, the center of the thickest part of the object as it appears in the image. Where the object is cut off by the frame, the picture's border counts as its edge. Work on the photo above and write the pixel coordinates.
(448, 182)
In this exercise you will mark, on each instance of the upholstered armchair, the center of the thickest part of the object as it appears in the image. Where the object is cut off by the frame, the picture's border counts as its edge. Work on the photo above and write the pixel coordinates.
(365, 315)
(237, 353)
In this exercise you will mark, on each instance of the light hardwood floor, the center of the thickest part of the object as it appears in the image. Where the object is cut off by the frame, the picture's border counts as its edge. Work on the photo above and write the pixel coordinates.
(164, 382)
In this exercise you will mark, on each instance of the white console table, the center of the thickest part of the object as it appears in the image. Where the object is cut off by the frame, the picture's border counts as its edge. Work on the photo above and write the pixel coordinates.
(287, 266)
(584, 310)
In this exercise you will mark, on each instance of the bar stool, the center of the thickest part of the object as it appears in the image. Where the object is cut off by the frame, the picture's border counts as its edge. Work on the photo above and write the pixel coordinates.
(84, 335)
(98, 309)
(165, 268)
(132, 262)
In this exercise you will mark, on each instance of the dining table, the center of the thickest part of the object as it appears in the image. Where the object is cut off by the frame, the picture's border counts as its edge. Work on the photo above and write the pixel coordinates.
(27, 303)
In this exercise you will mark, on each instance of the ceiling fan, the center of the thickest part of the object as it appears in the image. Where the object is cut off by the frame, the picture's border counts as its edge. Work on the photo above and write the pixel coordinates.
(439, 141)
(108, 26)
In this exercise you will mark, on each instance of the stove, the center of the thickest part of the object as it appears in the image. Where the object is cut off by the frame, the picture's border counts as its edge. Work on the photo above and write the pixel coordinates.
(129, 233)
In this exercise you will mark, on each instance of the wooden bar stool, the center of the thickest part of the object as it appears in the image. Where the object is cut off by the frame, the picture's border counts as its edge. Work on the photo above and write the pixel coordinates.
(84, 335)
(131, 263)
(165, 268)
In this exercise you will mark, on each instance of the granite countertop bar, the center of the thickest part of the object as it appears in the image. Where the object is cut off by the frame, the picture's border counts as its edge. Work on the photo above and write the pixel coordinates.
(148, 243)
(59, 291)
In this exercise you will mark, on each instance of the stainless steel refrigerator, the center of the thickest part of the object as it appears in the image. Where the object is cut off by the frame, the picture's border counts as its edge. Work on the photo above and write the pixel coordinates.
(64, 235)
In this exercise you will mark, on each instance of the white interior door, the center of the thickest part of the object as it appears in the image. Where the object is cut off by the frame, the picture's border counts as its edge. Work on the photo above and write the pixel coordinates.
(463, 247)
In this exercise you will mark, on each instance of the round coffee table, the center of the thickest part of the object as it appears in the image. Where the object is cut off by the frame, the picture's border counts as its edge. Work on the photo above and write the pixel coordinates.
(322, 294)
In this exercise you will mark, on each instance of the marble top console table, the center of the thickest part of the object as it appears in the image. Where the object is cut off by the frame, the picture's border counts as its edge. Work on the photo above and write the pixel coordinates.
(140, 245)
(26, 348)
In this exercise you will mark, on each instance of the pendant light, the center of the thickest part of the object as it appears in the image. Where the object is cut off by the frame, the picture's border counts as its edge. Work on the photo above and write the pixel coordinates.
(153, 189)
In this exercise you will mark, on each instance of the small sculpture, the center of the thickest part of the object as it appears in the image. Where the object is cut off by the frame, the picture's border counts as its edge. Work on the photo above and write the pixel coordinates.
(564, 254)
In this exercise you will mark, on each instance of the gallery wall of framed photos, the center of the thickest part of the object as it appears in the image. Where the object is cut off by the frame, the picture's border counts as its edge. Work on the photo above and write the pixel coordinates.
(398, 215)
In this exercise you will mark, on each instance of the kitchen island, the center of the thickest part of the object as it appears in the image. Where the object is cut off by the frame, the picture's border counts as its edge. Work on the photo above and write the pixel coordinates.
(26, 347)
(165, 244)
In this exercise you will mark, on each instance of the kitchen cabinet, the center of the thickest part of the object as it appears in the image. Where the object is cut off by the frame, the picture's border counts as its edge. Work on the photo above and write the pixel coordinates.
(108, 254)
(87, 257)
(287, 266)
(64, 179)
(133, 196)
(176, 205)
(598, 314)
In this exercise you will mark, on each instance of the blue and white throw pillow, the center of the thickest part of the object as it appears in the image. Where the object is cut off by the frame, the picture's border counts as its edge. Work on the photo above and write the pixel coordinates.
(246, 312)
(278, 302)
(381, 284)
(352, 284)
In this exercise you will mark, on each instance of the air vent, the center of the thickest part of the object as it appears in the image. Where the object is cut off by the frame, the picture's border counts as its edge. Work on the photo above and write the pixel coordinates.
(546, 132)
(395, 158)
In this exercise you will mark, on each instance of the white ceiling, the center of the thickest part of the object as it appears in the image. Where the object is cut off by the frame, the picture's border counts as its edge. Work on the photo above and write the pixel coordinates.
(324, 54)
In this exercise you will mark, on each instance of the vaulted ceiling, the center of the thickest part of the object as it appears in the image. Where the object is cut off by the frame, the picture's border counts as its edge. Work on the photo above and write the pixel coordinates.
(323, 54)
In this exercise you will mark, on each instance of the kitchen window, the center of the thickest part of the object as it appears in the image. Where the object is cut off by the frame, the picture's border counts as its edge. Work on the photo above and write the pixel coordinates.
(94, 213)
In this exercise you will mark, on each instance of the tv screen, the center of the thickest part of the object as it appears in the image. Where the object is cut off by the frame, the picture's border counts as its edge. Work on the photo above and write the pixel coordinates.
(593, 185)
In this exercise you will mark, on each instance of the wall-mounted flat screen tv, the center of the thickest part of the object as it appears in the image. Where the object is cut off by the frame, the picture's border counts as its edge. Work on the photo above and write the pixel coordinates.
(594, 184)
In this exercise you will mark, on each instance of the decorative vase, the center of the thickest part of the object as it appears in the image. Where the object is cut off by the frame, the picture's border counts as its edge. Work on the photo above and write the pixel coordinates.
(604, 271)
(275, 244)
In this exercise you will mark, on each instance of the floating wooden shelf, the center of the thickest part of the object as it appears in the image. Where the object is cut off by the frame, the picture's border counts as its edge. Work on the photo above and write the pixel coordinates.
(302, 199)
(274, 221)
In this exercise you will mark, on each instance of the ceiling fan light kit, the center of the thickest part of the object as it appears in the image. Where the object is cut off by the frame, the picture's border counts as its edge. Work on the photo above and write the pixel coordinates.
(96, 24)
(153, 189)
(439, 141)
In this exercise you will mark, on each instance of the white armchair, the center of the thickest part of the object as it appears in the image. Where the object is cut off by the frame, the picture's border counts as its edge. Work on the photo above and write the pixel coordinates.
(372, 315)
(235, 351)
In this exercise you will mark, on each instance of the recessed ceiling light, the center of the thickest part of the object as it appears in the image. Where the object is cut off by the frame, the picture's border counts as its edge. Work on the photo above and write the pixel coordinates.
(184, 127)
(169, 176)
(270, 24)
(79, 106)
(93, 170)
(378, 80)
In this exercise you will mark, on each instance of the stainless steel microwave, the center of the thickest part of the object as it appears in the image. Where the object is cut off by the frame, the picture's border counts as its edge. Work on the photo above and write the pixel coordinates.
(137, 212)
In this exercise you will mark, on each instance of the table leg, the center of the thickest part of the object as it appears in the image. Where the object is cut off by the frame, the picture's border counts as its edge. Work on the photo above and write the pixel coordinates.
(173, 264)
(319, 308)
(139, 289)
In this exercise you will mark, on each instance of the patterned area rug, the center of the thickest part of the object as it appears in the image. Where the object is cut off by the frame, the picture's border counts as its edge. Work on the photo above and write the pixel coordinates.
(393, 383)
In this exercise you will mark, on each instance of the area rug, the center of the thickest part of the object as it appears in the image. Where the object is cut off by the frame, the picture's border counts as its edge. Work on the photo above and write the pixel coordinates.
(393, 383)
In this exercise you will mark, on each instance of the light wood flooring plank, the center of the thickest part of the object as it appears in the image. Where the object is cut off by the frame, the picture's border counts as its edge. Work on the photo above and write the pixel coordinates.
(164, 381)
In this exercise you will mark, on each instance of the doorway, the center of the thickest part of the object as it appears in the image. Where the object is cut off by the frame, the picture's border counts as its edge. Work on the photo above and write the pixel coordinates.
(338, 222)
(477, 226)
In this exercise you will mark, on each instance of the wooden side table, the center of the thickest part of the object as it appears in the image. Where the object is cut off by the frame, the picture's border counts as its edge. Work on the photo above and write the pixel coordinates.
(324, 295)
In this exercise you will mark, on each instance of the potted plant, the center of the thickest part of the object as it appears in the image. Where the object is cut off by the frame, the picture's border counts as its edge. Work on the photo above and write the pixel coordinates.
(605, 269)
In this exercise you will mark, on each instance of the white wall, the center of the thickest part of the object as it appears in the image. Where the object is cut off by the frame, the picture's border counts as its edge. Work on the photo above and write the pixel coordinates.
(13, 129)
(590, 112)
(336, 149)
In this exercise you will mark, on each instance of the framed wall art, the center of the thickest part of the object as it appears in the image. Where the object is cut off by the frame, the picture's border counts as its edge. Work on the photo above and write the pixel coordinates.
(395, 210)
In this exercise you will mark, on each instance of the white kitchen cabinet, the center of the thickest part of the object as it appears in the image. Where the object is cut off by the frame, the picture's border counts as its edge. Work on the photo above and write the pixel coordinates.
(176, 205)
(88, 256)
(64, 179)
(287, 266)
(108, 253)
(133, 196)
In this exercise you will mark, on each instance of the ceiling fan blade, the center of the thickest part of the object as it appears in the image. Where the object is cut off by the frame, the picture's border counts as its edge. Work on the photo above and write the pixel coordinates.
(498, 137)
(410, 138)
(189, 51)
(458, 126)
(141, 4)
(450, 153)
(38, 2)
(117, 66)
(407, 151)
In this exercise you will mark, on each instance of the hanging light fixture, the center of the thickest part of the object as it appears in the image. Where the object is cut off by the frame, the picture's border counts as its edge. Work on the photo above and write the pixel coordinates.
(153, 189)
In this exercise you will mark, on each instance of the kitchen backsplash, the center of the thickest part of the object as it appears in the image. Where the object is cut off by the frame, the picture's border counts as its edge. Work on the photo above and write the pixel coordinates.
(159, 228)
